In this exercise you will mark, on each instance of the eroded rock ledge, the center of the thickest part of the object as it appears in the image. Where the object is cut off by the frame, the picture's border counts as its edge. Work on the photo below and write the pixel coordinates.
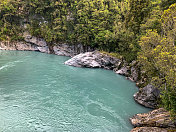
(37, 44)
(32, 43)
(158, 120)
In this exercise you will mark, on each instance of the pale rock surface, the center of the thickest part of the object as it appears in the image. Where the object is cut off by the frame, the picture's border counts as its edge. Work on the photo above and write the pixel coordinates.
(93, 60)
(156, 118)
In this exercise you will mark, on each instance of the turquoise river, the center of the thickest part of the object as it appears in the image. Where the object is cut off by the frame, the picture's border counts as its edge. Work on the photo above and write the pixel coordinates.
(38, 93)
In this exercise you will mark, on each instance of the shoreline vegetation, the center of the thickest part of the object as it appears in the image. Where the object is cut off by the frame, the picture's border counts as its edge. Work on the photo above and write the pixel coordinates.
(140, 31)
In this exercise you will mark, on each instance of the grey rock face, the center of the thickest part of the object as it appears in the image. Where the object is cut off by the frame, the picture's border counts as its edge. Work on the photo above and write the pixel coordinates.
(36, 41)
(44, 49)
(93, 60)
(147, 96)
(123, 71)
(64, 50)
(70, 50)
(38, 44)
(134, 74)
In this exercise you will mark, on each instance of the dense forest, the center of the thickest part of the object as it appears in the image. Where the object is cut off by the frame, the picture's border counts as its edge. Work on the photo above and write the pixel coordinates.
(142, 30)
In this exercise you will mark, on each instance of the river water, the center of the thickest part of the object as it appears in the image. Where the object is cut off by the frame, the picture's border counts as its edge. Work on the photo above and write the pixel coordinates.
(38, 93)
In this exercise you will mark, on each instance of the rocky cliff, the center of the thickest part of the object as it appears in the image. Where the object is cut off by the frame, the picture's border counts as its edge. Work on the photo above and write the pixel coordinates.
(32, 43)
(158, 120)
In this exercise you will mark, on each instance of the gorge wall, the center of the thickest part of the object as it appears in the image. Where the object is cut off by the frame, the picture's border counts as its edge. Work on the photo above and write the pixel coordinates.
(32, 43)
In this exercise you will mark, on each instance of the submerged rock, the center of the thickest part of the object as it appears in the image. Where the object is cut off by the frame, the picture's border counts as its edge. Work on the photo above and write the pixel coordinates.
(93, 60)
(156, 118)
(147, 96)
(152, 129)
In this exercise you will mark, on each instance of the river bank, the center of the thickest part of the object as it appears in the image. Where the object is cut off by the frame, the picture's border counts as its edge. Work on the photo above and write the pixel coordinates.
(146, 96)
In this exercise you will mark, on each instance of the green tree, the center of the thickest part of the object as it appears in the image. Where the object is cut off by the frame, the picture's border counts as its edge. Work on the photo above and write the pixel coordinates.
(138, 10)
(158, 58)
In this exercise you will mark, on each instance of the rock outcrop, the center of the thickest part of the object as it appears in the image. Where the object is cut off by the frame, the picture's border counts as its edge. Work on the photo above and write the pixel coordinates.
(148, 96)
(123, 71)
(129, 70)
(99, 60)
(157, 118)
(44, 49)
(134, 74)
(35, 41)
(93, 60)
(32, 43)
(70, 50)
(152, 129)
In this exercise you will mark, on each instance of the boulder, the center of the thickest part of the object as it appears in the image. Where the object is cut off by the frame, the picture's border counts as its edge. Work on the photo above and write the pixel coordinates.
(147, 96)
(152, 129)
(93, 60)
(156, 118)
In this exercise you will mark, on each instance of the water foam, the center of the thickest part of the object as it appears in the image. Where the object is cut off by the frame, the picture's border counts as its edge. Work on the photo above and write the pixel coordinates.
(10, 64)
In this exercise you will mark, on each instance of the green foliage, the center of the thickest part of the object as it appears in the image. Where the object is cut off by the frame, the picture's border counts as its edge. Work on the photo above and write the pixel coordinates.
(139, 10)
(92, 23)
(116, 55)
(158, 57)
(10, 17)
(166, 3)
